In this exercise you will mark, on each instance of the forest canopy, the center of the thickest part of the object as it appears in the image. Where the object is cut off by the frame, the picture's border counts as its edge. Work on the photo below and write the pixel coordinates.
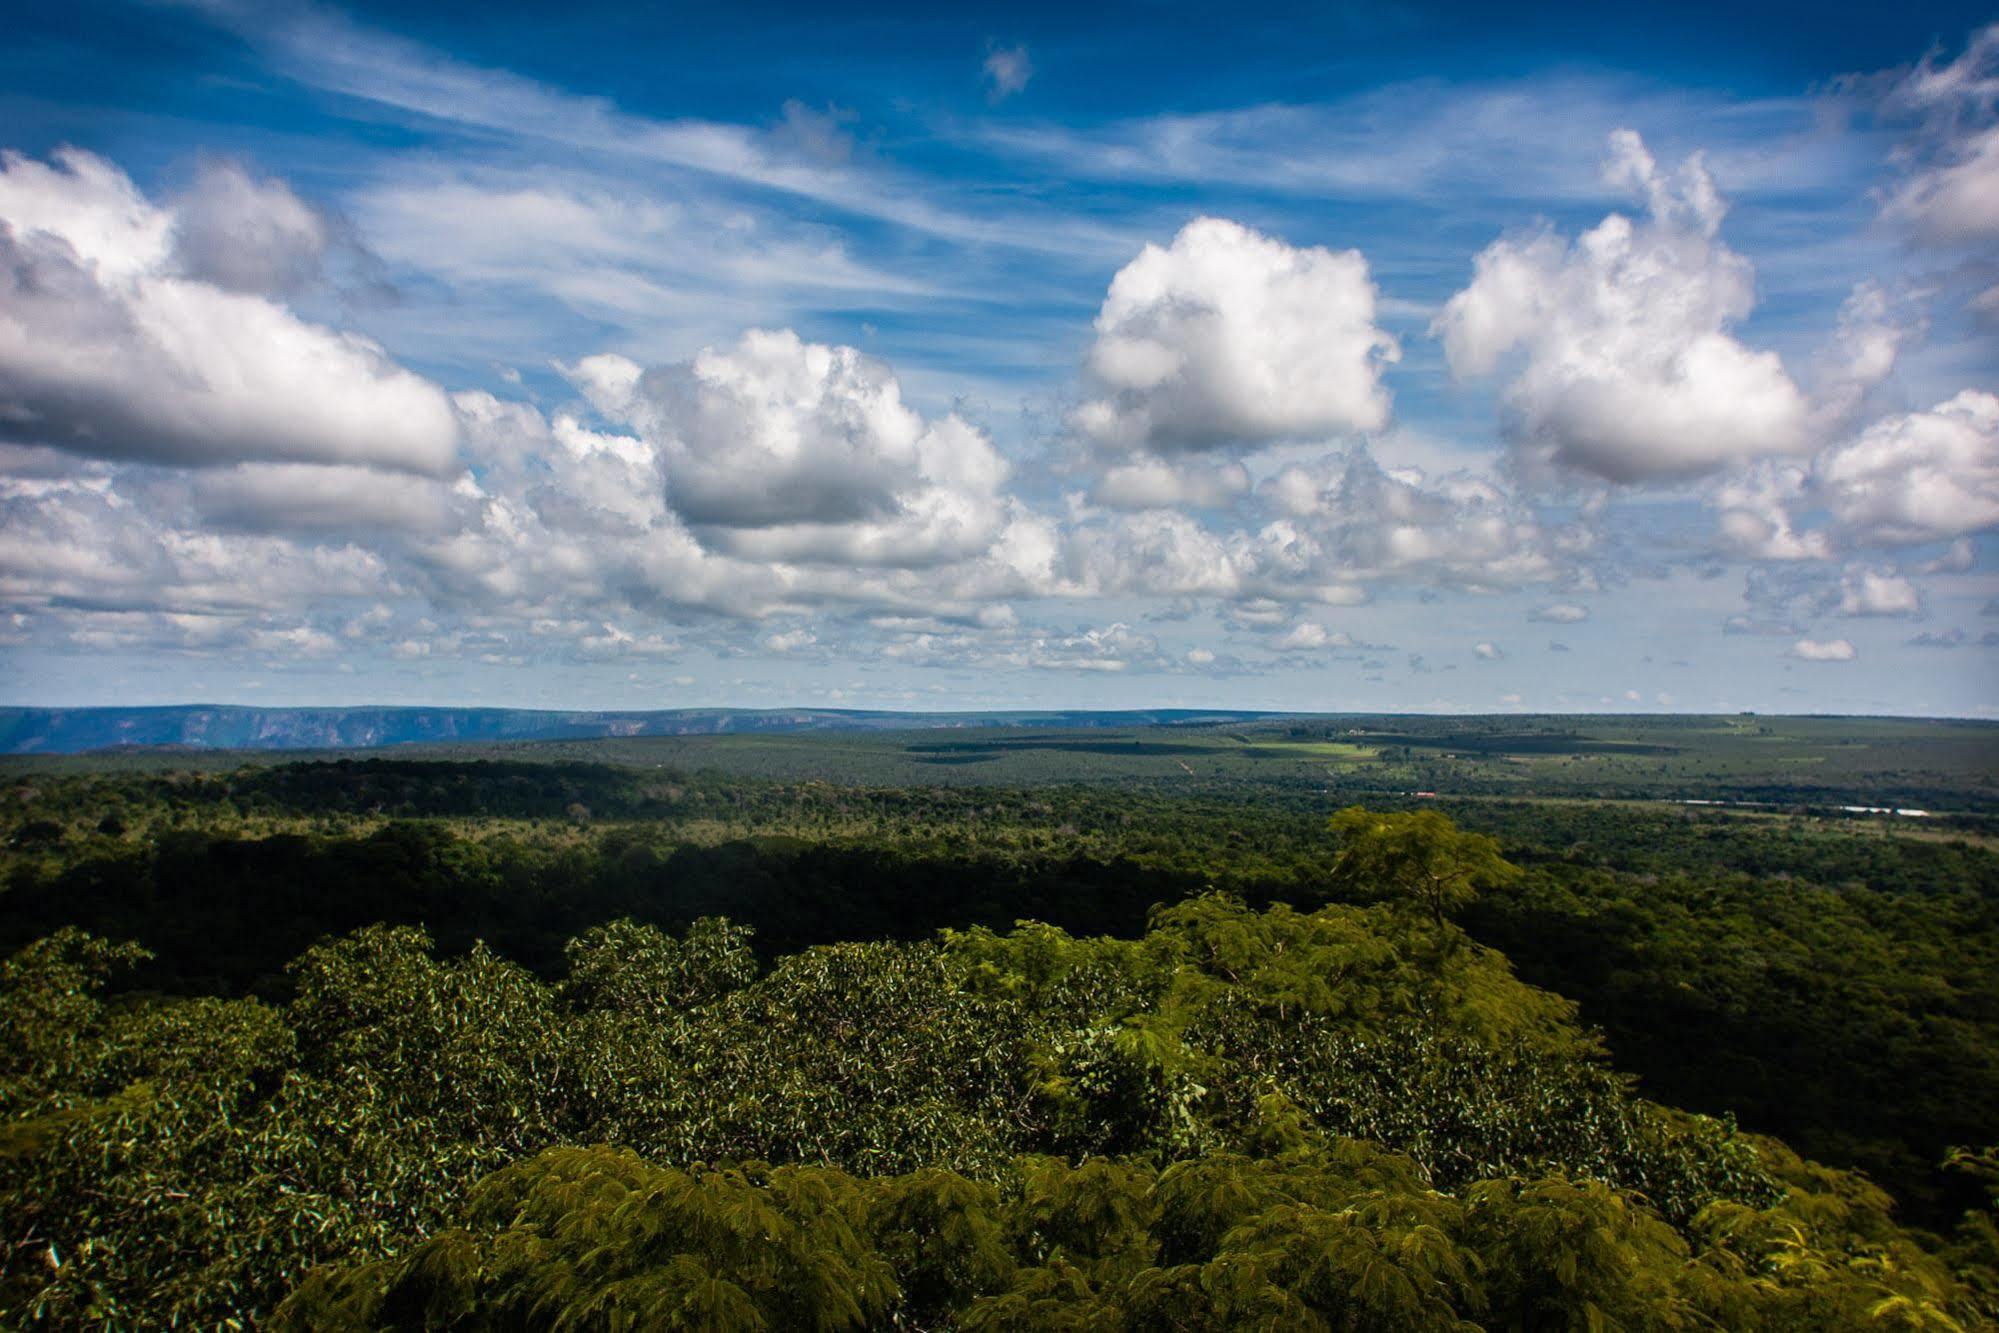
(283, 1063)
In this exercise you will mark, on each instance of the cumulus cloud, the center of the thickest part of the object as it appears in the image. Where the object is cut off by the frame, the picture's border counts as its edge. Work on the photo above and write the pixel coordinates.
(110, 348)
(1823, 650)
(1783, 598)
(1627, 368)
(1756, 514)
(1007, 70)
(306, 499)
(1348, 513)
(82, 555)
(790, 641)
(1319, 532)
(1906, 479)
(782, 449)
(1309, 636)
(246, 233)
(1151, 482)
(1487, 651)
(1228, 337)
(1916, 477)
(1874, 592)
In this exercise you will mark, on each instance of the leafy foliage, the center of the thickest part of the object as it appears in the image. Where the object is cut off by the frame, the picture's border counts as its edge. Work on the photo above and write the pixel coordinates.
(1325, 1234)
(1348, 1114)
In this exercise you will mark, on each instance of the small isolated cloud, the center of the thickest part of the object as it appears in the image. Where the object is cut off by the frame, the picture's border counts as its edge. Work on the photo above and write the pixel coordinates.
(1487, 651)
(1310, 636)
(1007, 71)
(1557, 646)
(1950, 638)
(1561, 613)
(1230, 337)
(1823, 650)
(614, 642)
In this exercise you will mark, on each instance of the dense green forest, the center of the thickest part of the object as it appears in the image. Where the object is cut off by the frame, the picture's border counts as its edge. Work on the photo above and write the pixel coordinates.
(398, 1043)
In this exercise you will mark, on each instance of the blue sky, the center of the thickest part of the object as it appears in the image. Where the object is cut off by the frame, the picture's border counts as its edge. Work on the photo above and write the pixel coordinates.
(1398, 357)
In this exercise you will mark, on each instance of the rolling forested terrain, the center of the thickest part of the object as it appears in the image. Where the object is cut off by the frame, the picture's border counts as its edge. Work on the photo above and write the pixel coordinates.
(591, 1034)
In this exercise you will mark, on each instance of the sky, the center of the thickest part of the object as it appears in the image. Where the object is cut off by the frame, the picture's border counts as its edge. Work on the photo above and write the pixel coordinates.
(1384, 357)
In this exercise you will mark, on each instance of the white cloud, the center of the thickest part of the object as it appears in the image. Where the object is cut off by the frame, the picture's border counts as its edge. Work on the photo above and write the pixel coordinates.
(1950, 195)
(790, 641)
(1150, 482)
(777, 449)
(1827, 650)
(1756, 521)
(1346, 518)
(1310, 636)
(1230, 337)
(1945, 198)
(1007, 70)
(304, 499)
(677, 266)
(1916, 477)
(1487, 651)
(1435, 142)
(1875, 592)
(1628, 370)
(106, 349)
(323, 49)
(1115, 647)
(248, 234)
(1318, 532)
(1784, 598)
(1561, 613)
(87, 558)
(1906, 479)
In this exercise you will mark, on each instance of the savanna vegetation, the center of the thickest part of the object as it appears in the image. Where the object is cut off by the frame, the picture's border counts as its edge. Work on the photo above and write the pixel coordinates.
(446, 1044)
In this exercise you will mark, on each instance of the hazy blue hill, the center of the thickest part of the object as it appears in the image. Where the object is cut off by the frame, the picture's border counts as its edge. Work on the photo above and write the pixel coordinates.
(221, 727)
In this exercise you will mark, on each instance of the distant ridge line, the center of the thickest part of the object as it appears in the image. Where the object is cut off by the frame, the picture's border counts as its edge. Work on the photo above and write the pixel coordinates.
(246, 727)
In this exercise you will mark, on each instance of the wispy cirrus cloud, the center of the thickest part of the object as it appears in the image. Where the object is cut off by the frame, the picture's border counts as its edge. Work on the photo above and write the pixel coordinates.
(324, 49)
(1535, 141)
